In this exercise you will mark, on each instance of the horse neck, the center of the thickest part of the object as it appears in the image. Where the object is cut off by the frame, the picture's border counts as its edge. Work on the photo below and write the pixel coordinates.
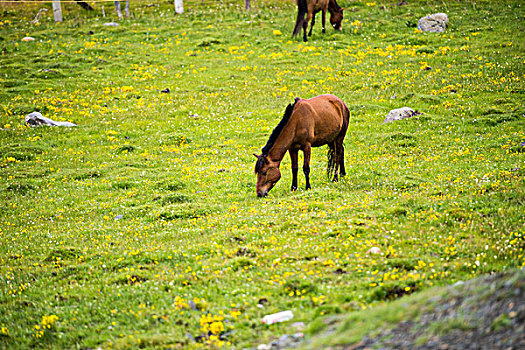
(333, 6)
(282, 143)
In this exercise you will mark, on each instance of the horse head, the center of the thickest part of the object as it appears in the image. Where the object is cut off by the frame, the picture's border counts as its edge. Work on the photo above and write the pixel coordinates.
(336, 15)
(268, 174)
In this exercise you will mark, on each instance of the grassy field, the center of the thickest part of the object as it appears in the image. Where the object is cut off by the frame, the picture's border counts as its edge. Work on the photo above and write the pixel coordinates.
(141, 226)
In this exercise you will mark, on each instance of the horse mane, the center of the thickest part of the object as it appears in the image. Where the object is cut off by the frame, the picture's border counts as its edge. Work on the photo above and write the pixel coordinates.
(334, 4)
(274, 135)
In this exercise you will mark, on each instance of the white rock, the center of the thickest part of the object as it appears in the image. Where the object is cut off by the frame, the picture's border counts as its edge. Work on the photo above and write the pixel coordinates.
(277, 317)
(400, 113)
(433, 23)
(37, 119)
(373, 250)
(28, 38)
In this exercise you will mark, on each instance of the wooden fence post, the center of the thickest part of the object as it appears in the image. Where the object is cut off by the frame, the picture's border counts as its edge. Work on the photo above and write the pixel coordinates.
(57, 11)
(179, 8)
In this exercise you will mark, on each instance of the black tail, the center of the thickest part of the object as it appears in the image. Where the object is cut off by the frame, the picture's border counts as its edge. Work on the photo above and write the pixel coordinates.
(301, 12)
(330, 169)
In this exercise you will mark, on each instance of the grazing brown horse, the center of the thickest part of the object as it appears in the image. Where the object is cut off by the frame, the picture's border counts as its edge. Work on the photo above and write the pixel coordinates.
(310, 8)
(321, 120)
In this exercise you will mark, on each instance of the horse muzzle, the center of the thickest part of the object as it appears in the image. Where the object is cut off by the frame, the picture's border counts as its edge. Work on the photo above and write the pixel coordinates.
(262, 194)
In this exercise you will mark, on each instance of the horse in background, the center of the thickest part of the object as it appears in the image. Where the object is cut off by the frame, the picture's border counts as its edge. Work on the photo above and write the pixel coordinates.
(117, 7)
(321, 120)
(310, 8)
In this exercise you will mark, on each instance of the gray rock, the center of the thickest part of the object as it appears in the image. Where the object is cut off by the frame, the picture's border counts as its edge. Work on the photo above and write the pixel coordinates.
(400, 113)
(111, 24)
(37, 119)
(285, 341)
(297, 336)
(434, 23)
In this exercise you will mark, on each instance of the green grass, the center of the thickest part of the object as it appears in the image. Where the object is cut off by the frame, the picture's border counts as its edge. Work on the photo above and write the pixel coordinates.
(352, 327)
(419, 317)
(136, 224)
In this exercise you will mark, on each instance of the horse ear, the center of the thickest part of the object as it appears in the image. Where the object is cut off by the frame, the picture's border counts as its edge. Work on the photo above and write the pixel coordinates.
(256, 156)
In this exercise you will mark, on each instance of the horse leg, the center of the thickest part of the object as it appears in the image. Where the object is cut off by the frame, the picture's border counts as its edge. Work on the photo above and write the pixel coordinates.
(312, 25)
(337, 151)
(305, 25)
(307, 151)
(342, 169)
(323, 19)
(331, 159)
(295, 166)
(339, 156)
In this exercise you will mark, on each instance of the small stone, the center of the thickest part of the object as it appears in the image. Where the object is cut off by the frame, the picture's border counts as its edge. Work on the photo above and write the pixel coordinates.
(400, 113)
(434, 23)
(28, 38)
(373, 250)
(298, 336)
(37, 119)
(285, 341)
(111, 24)
(264, 347)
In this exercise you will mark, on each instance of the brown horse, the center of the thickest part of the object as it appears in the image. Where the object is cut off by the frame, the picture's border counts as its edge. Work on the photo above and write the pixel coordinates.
(321, 120)
(310, 8)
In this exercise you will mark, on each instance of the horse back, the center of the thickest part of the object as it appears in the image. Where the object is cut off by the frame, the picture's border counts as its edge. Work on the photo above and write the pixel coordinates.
(321, 119)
